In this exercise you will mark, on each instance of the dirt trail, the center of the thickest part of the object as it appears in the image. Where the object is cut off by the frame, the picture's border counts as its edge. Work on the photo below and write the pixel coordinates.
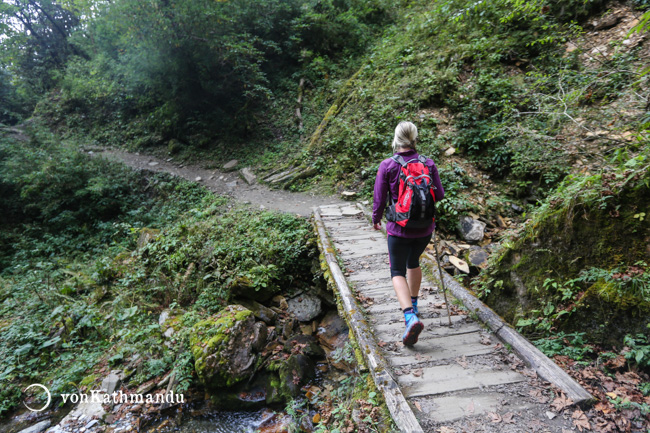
(226, 183)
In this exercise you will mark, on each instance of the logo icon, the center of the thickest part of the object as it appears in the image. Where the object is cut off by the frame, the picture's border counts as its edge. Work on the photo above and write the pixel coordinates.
(47, 391)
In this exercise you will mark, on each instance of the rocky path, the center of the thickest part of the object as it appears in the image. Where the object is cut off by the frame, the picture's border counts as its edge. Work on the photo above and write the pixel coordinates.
(457, 378)
(230, 183)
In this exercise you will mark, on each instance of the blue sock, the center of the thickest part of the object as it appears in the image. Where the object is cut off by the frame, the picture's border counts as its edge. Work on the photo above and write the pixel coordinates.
(414, 302)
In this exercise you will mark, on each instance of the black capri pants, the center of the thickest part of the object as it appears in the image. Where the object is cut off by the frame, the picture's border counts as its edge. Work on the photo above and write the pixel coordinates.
(405, 253)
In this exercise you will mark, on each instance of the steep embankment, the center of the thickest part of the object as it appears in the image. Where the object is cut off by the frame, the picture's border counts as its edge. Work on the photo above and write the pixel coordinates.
(509, 99)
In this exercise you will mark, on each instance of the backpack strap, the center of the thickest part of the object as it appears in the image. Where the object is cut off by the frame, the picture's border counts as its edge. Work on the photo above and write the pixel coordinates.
(422, 159)
(399, 159)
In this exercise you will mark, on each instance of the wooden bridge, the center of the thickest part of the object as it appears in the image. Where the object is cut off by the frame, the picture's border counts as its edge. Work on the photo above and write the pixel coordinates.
(456, 378)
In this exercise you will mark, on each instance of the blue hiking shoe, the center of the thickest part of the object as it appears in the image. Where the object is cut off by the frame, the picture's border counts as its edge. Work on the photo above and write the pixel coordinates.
(413, 329)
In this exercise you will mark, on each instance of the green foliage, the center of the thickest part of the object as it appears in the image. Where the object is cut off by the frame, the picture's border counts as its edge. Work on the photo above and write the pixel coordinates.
(221, 63)
(455, 181)
(205, 259)
(632, 280)
(638, 349)
(574, 345)
(80, 294)
(63, 201)
(35, 44)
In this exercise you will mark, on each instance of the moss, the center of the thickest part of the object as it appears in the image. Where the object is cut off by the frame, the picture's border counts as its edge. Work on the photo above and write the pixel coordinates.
(208, 337)
(584, 232)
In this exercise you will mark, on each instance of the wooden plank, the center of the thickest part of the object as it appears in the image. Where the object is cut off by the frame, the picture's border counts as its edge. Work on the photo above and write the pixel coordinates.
(438, 349)
(432, 329)
(450, 378)
(545, 367)
(449, 408)
(367, 275)
(397, 405)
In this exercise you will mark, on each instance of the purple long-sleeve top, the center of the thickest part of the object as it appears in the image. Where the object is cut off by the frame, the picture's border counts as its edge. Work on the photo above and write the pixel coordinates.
(387, 181)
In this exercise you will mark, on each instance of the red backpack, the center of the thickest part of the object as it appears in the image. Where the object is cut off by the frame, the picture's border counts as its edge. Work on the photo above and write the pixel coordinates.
(416, 202)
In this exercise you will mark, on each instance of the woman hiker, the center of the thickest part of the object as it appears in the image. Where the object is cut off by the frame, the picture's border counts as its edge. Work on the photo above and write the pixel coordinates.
(405, 245)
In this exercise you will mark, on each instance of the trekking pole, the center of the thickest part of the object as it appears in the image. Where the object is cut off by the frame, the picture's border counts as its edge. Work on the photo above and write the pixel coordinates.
(442, 281)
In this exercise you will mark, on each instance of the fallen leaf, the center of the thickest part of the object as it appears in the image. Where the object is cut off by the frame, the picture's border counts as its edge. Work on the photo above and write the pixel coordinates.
(470, 407)
(561, 403)
(616, 363)
(418, 372)
(611, 395)
(629, 377)
(446, 430)
(508, 418)
(494, 417)
(580, 420)
(417, 404)
(462, 361)
(316, 418)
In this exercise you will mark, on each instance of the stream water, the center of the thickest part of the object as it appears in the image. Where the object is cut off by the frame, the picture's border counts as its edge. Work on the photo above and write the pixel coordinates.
(223, 422)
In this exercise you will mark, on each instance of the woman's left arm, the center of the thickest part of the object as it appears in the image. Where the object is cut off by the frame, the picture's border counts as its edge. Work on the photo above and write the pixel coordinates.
(380, 195)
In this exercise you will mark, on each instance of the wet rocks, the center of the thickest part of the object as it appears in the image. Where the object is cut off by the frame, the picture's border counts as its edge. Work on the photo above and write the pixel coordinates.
(333, 334)
(306, 344)
(470, 229)
(224, 347)
(295, 373)
(305, 307)
(37, 428)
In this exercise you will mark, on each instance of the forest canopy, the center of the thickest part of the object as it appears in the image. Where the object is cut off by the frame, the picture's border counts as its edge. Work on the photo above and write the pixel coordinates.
(169, 62)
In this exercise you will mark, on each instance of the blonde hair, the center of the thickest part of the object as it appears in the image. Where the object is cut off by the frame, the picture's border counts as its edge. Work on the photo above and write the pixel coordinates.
(406, 133)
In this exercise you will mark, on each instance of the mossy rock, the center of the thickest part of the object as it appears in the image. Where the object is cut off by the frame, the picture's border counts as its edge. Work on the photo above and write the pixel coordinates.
(222, 347)
(294, 373)
(575, 235)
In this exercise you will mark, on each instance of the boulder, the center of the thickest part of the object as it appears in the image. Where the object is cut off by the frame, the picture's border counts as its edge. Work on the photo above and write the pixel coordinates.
(470, 229)
(261, 312)
(477, 256)
(111, 382)
(333, 334)
(305, 344)
(223, 347)
(296, 372)
(305, 307)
